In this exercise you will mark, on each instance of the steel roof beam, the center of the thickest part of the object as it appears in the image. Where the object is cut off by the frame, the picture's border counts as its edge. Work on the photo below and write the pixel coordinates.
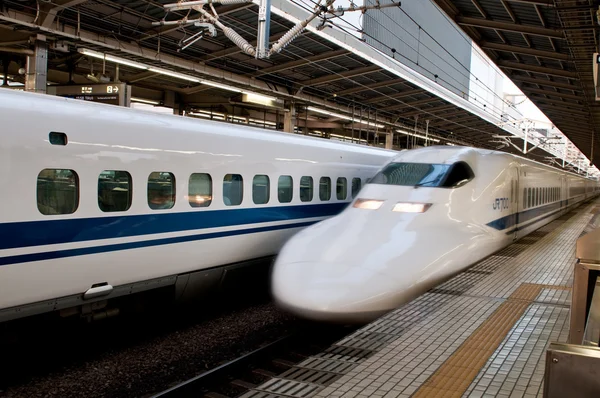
(372, 86)
(553, 93)
(426, 111)
(559, 107)
(509, 27)
(337, 76)
(545, 3)
(48, 11)
(300, 62)
(544, 82)
(411, 104)
(536, 69)
(401, 94)
(524, 51)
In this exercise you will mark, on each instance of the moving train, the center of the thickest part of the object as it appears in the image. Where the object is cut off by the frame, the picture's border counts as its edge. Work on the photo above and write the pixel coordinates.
(425, 216)
(100, 201)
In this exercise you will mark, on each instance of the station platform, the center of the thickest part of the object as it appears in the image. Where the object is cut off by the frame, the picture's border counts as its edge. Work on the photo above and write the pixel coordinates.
(482, 333)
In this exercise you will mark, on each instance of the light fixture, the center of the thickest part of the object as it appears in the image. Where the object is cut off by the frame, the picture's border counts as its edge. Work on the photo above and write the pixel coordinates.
(144, 101)
(368, 204)
(111, 58)
(166, 72)
(418, 136)
(175, 74)
(221, 86)
(338, 115)
(403, 207)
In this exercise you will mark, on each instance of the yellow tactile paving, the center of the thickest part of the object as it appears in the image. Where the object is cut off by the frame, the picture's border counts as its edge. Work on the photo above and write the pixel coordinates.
(455, 375)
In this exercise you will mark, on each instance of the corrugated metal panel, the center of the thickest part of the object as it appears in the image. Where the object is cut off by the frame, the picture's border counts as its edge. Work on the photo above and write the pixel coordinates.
(424, 40)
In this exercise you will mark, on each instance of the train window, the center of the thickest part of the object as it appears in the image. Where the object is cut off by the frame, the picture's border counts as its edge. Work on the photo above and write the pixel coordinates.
(233, 189)
(341, 189)
(355, 187)
(114, 190)
(424, 174)
(306, 189)
(57, 138)
(200, 190)
(325, 188)
(529, 197)
(285, 189)
(161, 190)
(524, 198)
(261, 189)
(57, 191)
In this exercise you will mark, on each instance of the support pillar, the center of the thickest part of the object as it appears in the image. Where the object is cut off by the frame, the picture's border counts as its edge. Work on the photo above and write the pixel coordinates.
(37, 67)
(289, 117)
(389, 139)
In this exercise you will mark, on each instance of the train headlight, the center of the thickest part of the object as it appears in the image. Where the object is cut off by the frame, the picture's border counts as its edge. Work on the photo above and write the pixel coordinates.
(403, 207)
(369, 204)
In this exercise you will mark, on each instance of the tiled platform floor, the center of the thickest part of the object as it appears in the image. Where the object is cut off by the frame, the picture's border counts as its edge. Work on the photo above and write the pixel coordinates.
(482, 333)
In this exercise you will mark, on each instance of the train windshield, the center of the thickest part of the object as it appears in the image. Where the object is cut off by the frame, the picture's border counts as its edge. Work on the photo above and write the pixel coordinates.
(424, 174)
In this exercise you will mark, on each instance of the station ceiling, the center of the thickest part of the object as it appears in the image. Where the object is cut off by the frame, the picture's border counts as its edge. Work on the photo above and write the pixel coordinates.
(314, 71)
(547, 49)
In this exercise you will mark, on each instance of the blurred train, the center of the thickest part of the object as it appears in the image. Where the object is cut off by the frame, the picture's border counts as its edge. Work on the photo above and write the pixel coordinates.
(100, 201)
(427, 215)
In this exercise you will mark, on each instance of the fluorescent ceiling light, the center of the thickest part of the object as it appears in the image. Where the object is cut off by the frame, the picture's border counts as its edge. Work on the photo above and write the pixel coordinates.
(418, 136)
(258, 97)
(221, 86)
(144, 101)
(175, 74)
(111, 58)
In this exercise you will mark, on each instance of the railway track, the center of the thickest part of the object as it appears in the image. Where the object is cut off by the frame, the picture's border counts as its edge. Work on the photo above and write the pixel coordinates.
(236, 377)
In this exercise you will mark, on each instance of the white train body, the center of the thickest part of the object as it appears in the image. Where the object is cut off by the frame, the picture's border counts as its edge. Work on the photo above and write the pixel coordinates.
(52, 261)
(369, 260)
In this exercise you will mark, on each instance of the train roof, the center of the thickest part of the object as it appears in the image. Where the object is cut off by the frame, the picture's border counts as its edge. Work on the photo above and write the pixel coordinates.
(78, 108)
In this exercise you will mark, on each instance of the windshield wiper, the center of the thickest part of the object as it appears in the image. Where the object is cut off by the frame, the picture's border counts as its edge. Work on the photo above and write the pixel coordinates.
(424, 182)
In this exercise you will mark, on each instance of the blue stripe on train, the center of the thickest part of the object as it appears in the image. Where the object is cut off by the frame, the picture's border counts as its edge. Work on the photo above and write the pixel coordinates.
(48, 232)
(51, 255)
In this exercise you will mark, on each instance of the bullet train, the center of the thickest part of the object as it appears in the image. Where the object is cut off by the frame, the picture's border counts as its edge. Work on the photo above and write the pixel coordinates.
(100, 201)
(428, 214)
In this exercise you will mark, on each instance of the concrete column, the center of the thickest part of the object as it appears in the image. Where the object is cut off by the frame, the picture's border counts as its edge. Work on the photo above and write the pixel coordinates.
(37, 67)
(389, 139)
(289, 119)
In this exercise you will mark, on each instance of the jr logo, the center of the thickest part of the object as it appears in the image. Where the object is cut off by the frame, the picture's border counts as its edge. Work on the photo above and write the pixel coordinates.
(500, 204)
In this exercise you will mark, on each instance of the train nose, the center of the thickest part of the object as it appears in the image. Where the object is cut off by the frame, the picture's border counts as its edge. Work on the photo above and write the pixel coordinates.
(342, 293)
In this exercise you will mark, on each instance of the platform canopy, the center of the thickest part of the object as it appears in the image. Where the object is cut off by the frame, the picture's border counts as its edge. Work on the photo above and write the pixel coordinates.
(547, 49)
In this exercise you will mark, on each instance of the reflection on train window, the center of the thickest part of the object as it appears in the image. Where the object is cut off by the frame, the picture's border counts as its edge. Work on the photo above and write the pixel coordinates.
(285, 189)
(57, 191)
(260, 189)
(114, 190)
(233, 189)
(161, 190)
(355, 187)
(325, 188)
(424, 174)
(306, 189)
(200, 190)
(341, 188)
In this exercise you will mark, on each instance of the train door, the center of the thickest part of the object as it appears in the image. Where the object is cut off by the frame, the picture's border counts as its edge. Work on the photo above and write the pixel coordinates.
(514, 198)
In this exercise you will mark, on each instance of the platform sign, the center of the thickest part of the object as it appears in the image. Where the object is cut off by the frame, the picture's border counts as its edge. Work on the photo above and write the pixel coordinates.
(109, 93)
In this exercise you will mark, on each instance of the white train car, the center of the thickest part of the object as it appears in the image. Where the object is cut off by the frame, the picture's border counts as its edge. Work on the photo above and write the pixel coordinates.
(100, 201)
(427, 215)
